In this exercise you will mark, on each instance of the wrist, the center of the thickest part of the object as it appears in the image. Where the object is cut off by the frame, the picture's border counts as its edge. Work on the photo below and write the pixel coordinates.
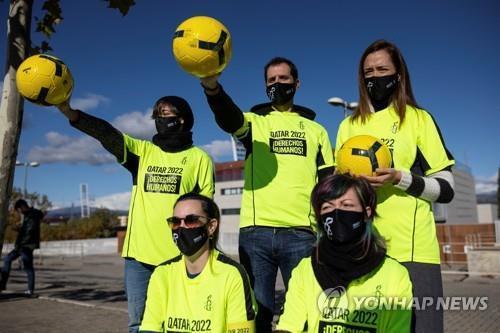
(210, 89)
(404, 180)
(397, 177)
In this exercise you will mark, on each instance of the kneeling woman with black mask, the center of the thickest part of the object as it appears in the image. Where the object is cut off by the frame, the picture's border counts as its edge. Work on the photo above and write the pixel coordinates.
(348, 284)
(202, 289)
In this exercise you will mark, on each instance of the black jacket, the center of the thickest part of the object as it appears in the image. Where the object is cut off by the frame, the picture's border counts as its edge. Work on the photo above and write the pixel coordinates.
(29, 235)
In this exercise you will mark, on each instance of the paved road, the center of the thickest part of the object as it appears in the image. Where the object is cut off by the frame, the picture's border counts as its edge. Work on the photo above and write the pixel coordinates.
(86, 295)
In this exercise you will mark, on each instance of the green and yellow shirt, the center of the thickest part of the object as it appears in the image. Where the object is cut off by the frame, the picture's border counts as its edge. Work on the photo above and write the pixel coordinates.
(405, 222)
(286, 152)
(161, 177)
(377, 302)
(217, 300)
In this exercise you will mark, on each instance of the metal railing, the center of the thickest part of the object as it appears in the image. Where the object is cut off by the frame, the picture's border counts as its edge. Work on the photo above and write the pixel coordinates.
(454, 255)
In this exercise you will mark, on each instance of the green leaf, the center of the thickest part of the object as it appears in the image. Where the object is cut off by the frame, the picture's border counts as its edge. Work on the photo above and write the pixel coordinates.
(52, 7)
(51, 17)
(122, 5)
(44, 47)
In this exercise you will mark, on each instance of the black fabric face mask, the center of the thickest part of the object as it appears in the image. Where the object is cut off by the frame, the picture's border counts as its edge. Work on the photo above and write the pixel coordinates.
(280, 93)
(190, 240)
(165, 125)
(381, 88)
(343, 226)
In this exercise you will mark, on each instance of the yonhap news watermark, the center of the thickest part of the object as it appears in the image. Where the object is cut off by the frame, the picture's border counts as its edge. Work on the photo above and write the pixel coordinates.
(334, 299)
(445, 303)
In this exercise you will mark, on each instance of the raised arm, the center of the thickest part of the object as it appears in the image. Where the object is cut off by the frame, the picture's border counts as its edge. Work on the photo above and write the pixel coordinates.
(104, 132)
(228, 115)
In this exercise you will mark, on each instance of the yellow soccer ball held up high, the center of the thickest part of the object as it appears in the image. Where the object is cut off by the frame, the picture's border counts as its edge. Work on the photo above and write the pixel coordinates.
(202, 46)
(44, 79)
(362, 155)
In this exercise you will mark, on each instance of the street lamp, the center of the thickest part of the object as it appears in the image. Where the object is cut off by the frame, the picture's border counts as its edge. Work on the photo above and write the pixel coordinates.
(26, 166)
(337, 101)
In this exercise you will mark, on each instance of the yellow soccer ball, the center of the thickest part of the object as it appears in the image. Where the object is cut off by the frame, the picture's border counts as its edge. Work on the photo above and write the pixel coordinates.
(44, 80)
(202, 46)
(362, 154)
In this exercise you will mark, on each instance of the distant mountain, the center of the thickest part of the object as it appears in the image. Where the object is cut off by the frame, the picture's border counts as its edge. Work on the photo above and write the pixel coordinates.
(69, 212)
(487, 198)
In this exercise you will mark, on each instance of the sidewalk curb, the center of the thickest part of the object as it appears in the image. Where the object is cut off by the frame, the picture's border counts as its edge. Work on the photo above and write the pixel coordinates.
(88, 305)
(471, 273)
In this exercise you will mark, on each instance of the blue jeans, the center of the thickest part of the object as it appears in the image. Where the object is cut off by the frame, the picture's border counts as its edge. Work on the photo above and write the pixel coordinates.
(262, 251)
(27, 258)
(137, 276)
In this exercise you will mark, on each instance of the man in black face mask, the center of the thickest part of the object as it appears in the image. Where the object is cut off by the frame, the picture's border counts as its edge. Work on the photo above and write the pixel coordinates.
(161, 170)
(286, 153)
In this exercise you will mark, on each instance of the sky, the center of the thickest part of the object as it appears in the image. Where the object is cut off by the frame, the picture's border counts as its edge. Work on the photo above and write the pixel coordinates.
(122, 65)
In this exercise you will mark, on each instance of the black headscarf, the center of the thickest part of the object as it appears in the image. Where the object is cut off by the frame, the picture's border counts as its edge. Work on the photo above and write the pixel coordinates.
(337, 265)
(177, 141)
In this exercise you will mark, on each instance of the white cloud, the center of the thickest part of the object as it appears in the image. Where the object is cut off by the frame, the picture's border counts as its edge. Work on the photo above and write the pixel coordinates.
(136, 124)
(116, 201)
(218, 148)
(90, 101)
(486, 184)
(85, 149)
(56, 139)
(62, 148)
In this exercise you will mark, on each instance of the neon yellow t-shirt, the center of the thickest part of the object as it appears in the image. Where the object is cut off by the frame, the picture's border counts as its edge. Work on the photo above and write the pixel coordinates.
(160, 179)
(218, 300)
(377, 302)
(405, 222)
(282, 168)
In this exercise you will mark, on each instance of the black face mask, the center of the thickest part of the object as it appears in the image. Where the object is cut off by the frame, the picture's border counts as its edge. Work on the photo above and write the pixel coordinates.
(280, 93)
(381, 88)
(190, 240)
(343, 226)
(165, 125)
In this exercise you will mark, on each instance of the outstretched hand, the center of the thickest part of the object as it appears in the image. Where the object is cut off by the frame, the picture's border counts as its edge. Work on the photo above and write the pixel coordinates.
(64, 106)
(210, 83)
(384, 176)
(66, 109)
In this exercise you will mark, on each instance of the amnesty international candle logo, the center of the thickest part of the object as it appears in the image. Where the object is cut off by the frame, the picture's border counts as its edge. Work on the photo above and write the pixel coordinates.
(288, 142)
(163, 179)
(208, 303)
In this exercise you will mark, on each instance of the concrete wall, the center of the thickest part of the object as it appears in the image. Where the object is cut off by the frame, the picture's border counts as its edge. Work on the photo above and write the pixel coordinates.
(70, 248)
(484, 260)
(462, 209)
(497, 232)
(487, 213)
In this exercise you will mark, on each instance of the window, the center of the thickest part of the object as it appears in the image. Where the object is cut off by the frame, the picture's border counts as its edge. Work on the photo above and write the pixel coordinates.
(230, 211)
(231, 191)
(228, 174)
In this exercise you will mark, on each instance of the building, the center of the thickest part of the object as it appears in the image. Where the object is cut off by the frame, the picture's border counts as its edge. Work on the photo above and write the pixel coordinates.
(487, 213)
(229, 188)
(228, 192)
(463, 208)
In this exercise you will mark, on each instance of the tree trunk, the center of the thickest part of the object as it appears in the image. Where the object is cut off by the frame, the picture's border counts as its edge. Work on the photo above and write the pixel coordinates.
(11, 107)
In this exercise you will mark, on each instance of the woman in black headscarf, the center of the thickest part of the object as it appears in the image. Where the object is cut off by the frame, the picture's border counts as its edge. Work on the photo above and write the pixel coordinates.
(348, 282)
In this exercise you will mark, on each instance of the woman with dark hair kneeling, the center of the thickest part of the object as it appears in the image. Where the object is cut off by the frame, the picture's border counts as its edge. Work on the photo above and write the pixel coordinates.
(202, 289)
(348, 284)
